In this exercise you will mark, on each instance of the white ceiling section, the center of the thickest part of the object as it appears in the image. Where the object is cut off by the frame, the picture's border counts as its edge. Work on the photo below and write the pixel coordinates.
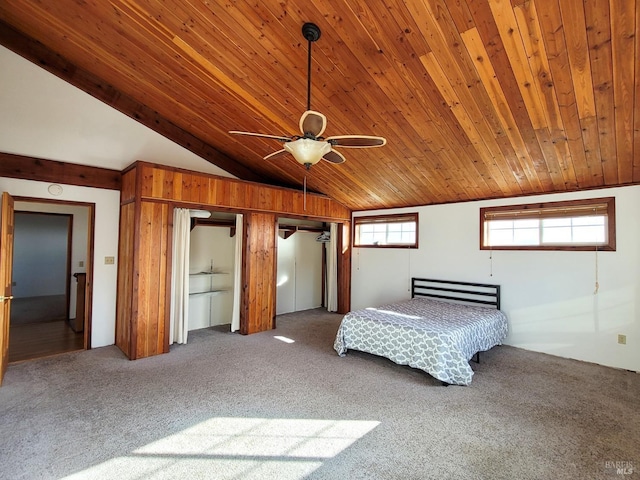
(44, 117)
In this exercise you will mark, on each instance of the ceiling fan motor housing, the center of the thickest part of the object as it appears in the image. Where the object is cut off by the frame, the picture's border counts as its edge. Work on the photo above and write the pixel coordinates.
(311, 32)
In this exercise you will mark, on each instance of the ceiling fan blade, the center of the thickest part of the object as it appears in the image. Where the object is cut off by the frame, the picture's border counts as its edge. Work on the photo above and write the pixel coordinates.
(357, 141)
(275, 154)
(313, 122)
(251, 134)
(334, 157)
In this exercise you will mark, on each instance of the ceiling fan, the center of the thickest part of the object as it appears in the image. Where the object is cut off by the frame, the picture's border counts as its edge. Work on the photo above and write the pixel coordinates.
(310, 147)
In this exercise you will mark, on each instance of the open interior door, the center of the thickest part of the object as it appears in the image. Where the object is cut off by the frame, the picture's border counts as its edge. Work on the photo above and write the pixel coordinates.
(6, 268)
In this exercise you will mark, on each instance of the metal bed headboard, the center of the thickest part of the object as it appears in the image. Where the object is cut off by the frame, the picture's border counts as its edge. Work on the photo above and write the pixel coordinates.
(482, 293)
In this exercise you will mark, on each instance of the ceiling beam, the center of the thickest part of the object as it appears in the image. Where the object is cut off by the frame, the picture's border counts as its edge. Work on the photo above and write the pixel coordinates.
(30, 168)
(39, 54)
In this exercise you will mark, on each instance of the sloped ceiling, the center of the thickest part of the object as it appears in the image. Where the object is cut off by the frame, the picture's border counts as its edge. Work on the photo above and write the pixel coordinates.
(42, 116)
(478, 99)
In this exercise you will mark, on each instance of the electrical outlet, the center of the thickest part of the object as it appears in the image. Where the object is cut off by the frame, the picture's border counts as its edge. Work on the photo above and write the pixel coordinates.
(80, 263)
(109, 260)
(622, 339)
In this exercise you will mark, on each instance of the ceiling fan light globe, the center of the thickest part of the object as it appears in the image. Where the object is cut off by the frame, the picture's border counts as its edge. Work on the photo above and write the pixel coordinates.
(307, 151)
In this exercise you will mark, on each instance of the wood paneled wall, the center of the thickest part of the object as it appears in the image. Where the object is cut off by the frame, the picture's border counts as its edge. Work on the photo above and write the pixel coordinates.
(259, 258)
(199, 189)
(151, 301)
(125, 319)
(143, 279)
(149, 195)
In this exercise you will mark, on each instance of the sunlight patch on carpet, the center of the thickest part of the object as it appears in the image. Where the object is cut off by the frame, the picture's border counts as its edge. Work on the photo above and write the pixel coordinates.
(284, 339)
(224, 447)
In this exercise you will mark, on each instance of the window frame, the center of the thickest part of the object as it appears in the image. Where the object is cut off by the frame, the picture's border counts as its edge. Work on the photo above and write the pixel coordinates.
(385, 219)
(563, 209)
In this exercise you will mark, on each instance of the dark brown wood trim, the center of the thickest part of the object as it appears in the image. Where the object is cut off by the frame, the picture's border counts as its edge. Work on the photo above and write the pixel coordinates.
(39, 54)
(67, 286)
(31, 168)
(88, 304)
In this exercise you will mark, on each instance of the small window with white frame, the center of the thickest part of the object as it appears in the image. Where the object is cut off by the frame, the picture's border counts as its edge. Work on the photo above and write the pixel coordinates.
(570, 225)
(390, 231)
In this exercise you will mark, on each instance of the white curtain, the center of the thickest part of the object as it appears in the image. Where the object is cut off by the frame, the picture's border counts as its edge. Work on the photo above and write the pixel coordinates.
(179, 318)
(237, 278)
(332, 270)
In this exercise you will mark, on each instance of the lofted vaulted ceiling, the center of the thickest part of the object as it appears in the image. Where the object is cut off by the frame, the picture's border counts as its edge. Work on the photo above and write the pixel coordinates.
(478, 99)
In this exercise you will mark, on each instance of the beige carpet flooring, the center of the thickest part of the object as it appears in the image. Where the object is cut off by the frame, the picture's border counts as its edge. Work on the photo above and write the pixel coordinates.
(283, 405)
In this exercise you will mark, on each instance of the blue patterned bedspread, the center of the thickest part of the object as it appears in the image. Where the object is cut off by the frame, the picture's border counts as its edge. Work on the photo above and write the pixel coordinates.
(437, 337)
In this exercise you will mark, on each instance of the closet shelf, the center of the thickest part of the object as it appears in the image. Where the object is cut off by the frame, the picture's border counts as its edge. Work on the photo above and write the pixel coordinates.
(208, 293)
(215, 272)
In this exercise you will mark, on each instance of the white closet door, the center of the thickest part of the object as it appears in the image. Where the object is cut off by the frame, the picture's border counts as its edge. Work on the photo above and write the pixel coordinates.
(308, 292)
(286, 275)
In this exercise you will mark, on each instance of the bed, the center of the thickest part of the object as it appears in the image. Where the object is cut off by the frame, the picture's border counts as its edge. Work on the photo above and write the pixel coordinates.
(439, 330)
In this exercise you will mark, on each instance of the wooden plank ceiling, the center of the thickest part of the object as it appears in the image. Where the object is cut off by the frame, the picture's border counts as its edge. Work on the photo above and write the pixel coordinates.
(478, 99)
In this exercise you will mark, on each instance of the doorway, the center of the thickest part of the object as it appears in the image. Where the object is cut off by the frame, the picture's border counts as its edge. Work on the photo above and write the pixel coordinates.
(50, 264)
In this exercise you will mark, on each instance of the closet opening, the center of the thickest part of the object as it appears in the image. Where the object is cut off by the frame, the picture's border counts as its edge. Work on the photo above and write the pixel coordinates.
(206, 263)
(301, 265)
(211, 269)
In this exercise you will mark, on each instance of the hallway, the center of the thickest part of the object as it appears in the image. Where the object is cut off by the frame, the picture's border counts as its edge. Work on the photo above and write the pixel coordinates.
(39, 328)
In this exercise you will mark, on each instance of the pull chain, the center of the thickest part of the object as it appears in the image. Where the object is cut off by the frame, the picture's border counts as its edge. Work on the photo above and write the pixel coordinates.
(409, 269)
(488, 240)
(490, 262)
(595, 292)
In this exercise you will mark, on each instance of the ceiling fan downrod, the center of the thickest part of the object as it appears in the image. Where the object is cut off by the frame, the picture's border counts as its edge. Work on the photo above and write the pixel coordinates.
(311, 32)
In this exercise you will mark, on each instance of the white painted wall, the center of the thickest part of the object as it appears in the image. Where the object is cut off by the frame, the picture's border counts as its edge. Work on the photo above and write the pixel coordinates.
(548, 296)
(45, 117)
(40, 255)
(79, 244)
(211, 244)
(299, 273)
(107, 214)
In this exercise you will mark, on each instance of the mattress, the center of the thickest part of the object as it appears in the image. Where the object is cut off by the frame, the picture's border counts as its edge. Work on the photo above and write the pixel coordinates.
(434, 336)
